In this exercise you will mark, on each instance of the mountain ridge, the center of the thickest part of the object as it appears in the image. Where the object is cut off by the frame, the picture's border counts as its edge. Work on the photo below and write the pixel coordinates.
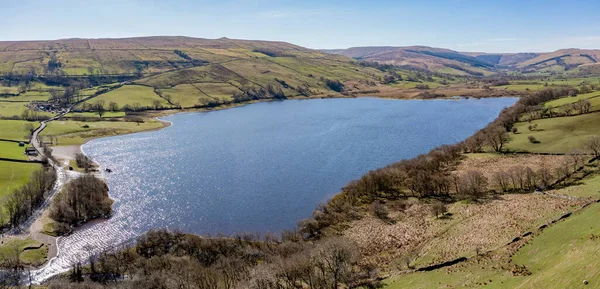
(456, 62)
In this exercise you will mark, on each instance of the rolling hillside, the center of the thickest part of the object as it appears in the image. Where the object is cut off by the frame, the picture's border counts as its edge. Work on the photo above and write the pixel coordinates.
(214, 68)
(421, 57)
(476, 64)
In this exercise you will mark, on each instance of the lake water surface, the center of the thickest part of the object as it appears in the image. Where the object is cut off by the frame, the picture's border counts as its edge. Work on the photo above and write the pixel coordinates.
(260, 167)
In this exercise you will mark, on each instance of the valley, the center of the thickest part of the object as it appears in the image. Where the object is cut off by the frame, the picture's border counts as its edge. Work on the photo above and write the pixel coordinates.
(469, 201)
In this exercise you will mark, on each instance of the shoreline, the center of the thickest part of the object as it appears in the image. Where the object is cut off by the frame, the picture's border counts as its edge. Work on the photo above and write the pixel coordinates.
(156, 115)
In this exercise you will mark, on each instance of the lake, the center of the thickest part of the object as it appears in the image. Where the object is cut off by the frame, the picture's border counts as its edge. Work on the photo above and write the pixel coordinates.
(261, 167)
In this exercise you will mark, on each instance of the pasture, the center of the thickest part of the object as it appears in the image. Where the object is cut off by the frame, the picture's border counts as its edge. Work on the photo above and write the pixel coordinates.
(184, 94)
(31, 257)
(131, 95)
(593, 97)
(17, 130)
(14, 175)
(561, 256)
(12, 150)
(28, 96)
(77, 132)
(9, 109)
(555, 135)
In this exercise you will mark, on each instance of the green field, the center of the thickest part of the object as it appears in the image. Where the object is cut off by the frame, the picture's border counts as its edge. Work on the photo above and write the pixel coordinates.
(14, 175)
(131, 95)
(185, 94)
(28, 96)
(9, 109)
(589, 187)
(92, 90)
(16, 129)
(562, 256)
(223, 91)
(75, 132)
(521, 87)
(12, 150)
(32, 257)
(9, 89)
(108, 114)
(593, 97)
(565, 254)
(556, 135)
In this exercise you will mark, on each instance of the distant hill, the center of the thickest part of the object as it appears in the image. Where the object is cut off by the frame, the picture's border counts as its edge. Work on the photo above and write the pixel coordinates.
(422, 57)
(473, 63)
(168, 61)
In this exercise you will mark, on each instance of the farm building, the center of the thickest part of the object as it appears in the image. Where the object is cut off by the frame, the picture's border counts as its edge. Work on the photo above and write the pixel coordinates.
(31, 151)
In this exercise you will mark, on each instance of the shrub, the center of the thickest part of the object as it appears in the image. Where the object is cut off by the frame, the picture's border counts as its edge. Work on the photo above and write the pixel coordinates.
(84, 162)
(380, 210)
(532, 139)
(438, 209)
(334, 85)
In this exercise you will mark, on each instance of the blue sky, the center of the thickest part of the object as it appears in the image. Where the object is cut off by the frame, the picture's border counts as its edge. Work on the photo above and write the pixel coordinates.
(489, 26)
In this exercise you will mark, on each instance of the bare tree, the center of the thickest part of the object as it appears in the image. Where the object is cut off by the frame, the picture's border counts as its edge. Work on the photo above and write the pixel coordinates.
(495, 137)
(593, 145)
(545, 176)
(576, 159)
(156, 104)
(474, 184)
(99, 107)
(113, 106)
(501, 180)
(334, 259)
(438, 209)
(583, 106)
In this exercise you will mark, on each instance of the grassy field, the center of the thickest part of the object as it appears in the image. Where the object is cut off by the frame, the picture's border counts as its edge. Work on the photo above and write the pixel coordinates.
(13, 175)
(32, 257)
(185, 94)
(589, 187)
(9, 89)
(562, 256)
(28, 96)
(131, 95)
(15, 129)
(521, 87)
(108, 114)
(555, 135)
(223, 91)
(8, 109)
(12, 150)
(593, 97)
(92, 90)
(76, 132)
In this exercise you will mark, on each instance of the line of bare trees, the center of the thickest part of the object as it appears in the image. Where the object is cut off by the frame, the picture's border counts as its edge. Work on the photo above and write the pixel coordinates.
(582, 106)
(163, 259)
(23, 201)
(430, 175)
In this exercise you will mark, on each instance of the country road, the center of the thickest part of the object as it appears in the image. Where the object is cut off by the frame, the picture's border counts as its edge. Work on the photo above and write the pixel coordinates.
(33, 225)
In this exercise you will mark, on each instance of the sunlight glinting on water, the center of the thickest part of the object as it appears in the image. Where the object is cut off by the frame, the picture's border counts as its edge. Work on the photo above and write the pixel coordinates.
(260, 167)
